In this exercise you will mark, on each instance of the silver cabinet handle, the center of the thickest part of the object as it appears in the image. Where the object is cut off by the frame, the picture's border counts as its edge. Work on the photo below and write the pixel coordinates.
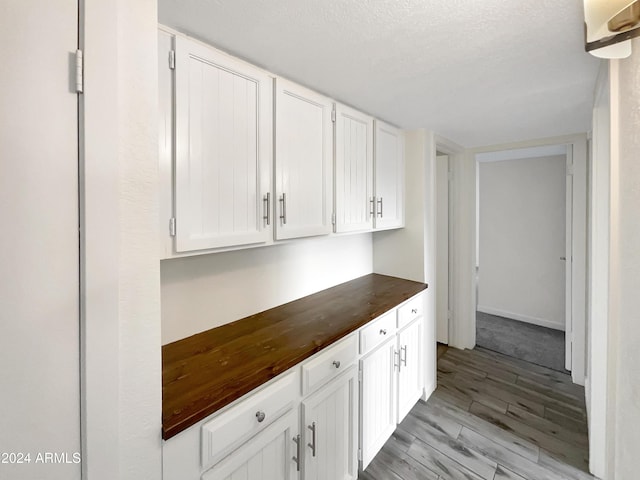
(296, 459)
(372, 206)
(383, 331)
(260, 416)
(404, 360)
(563, 258)
(336, 363)
(312, 445)
(414, 310)
(380, 207)
(283, 201)
(266, 201)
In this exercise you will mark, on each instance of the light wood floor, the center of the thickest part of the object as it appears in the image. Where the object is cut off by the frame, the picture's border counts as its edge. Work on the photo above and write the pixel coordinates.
(492, 417)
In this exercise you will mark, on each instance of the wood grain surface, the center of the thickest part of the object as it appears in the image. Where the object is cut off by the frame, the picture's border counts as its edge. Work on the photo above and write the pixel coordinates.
(492, 417)
(205, 372)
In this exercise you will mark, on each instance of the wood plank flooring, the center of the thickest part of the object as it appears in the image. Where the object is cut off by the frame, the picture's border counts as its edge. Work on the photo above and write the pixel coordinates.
(492, 417)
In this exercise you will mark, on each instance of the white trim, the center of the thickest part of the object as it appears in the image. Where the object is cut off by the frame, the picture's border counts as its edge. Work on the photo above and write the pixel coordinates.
(542, 322)
(522, 153)
(465, 249)
(99, 205)
(461, 283)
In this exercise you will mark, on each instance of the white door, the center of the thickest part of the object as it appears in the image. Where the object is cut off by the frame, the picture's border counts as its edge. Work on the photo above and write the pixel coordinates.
(389, 176)
(330, 427)
(410, 369)
(568, 260)
(442, 249)
(39, 250)
(303, 162)
(354, 170)
(223, 149)
(377, 399)
(267, 456)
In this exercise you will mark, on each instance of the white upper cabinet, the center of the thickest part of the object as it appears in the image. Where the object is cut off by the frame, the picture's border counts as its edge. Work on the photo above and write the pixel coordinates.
(224, 132)
(389, 176)
(354, 170)
(303, 162)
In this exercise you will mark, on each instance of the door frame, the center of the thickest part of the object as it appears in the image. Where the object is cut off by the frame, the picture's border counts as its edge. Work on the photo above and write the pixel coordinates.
(463, 248)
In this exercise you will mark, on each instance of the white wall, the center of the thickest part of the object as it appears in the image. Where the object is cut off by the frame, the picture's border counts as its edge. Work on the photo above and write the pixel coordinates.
(206, 291)
(122, 394)
(624, 312)
(521, 239)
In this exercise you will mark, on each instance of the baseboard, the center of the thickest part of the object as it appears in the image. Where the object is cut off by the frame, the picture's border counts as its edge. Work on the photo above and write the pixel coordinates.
(542, 322)
(428, 390)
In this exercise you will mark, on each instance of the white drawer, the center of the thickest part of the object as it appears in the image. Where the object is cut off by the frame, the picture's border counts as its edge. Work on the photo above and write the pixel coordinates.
(330, 363)
(232, 428)
(411, 310)
(377, 331)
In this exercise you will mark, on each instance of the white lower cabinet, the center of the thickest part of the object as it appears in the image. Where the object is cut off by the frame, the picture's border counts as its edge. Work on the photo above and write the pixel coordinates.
(270, 455)
(378, 399)
(330, 418)
(310, 422)
(410, 368)
(392, 383)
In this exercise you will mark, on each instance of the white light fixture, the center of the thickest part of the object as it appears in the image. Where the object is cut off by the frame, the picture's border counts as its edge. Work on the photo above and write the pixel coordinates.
(609, 25)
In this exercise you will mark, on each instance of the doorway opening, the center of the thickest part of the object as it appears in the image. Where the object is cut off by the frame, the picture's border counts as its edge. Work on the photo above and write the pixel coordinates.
(523, 253)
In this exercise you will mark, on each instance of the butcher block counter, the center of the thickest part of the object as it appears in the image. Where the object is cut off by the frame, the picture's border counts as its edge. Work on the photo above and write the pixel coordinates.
(205, 372)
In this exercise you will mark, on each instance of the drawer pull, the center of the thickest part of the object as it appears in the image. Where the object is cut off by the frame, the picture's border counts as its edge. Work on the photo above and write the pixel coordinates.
(414, 310)
(336, 363)
(296, 459)
(312, 445)
(260, 416)
(383, 331)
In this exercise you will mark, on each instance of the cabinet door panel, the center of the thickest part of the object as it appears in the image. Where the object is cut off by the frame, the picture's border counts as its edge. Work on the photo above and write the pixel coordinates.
(303, 162)
(333, 412)
(378, 399)
(411, 376)
(389, 176)
(223, 149)
(354, 170)
(267, 456)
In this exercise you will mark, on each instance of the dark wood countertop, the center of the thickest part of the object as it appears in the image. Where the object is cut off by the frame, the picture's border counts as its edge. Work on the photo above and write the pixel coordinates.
(205, 372)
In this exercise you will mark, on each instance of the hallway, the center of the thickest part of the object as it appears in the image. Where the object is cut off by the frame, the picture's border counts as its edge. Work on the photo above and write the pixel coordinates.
(492, 417)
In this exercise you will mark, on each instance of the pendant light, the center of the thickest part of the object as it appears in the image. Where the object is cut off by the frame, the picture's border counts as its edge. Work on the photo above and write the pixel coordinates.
(609, 25)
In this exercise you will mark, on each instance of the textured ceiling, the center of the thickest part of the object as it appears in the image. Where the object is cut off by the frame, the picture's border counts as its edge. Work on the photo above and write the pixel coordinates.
(479, 72)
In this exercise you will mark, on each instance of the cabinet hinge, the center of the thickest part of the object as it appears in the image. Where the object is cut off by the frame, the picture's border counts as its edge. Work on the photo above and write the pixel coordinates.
(360, 375)
(172, 226)
(172, 59)
(333, 218)
(79, 71)
(450, 175)
(333, 115)
(360, 454)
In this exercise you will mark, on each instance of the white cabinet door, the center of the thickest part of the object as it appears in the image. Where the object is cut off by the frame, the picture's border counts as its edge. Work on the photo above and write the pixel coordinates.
(378, 399)
(267, 456)
(389, 176)
(303, 162)
(330, 427)
(354, 170)
(224, 126)
(410, 376)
